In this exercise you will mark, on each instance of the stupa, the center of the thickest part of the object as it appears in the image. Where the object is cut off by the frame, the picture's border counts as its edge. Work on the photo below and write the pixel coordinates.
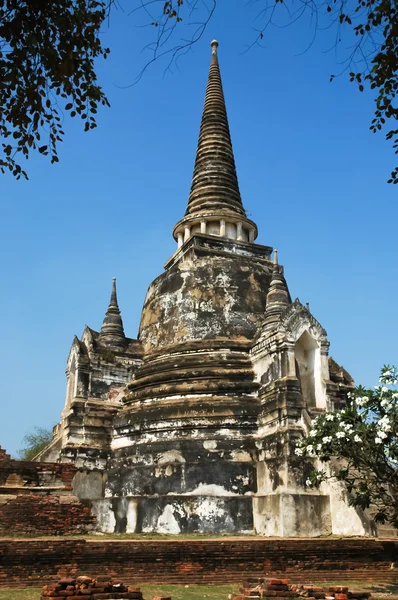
(192, 427)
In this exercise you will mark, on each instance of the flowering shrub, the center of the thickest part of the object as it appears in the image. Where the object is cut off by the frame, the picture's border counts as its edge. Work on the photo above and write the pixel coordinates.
(364, 438)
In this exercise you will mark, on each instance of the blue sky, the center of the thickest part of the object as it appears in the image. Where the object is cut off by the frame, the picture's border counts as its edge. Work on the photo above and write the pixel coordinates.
(311, 174)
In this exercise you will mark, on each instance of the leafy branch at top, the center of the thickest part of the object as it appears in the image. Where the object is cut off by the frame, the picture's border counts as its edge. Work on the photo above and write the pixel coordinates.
(47, 52)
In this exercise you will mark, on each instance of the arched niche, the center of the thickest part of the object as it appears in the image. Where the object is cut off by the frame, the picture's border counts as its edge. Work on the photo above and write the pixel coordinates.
(306, 354)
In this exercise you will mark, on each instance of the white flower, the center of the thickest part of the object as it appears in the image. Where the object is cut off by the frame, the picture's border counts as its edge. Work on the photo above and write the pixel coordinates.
(308, 482)
(327, 439)
(340, 434)
(384, 423)
(385, 402)
(329, 417)
(347, 426)
(310, 450)
(382, 435)
(384, 389)
(312, 433)
(395, 395)
(387, 373)
(378, 440)
(361, 401)
(298, 451)
(357, 438)
(319, 447)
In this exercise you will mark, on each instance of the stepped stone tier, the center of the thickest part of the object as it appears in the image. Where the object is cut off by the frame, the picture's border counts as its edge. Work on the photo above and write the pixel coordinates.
(192, 426)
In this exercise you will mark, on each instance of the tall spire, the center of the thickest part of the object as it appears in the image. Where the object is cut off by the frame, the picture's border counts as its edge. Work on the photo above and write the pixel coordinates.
(214, 182)
(112, 332)
(278, 295)
(215, 206)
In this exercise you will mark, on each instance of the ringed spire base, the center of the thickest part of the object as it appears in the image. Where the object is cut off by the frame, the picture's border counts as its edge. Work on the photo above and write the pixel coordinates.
(215, 204)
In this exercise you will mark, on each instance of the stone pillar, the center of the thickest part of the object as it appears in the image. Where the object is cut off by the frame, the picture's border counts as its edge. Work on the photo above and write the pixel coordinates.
(251, 236)
(187, 234)
(222, 228)
(203, 227)
(180, 239)
(239, 232)
(291, 363)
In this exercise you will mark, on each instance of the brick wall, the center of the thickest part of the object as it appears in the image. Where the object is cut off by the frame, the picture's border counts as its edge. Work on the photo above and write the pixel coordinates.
(45, 515)
(21, 476)
(38, 562)
(37, 499)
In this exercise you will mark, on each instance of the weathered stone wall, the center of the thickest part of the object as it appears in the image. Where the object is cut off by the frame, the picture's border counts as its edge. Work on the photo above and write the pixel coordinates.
(38, 562)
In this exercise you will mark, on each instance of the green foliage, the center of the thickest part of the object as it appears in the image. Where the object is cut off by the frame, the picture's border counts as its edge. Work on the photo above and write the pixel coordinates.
(35, 442)
(364, 438)
(47, 52)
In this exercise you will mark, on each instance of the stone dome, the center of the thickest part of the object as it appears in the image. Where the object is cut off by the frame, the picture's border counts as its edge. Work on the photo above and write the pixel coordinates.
(206, 296)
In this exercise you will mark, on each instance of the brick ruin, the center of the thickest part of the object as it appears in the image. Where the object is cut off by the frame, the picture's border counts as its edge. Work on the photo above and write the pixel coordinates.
(37, 499)
(99, 588)
(281, 589)
(103, 588)
(192, 426)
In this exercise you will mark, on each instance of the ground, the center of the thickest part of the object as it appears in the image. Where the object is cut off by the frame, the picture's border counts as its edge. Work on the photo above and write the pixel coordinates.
(379, 591)
(177, 592)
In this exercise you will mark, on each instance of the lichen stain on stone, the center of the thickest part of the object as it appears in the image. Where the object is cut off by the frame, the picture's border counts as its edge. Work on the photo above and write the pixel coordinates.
(170, 456)
(210, 444)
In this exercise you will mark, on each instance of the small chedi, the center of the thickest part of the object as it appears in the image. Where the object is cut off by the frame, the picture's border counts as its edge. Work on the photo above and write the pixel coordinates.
(192, 427)
(280, 589)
